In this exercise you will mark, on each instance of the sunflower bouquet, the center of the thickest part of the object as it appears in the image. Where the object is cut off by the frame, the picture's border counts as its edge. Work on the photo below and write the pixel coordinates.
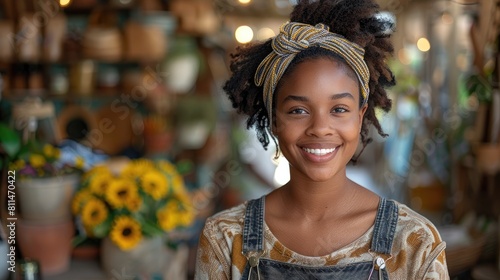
(145, 199)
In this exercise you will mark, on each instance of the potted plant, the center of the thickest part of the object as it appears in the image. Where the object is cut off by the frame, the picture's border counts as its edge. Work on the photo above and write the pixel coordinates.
(486, 142)
(135, 211)
(45, 183)
(9, 145)
(43, 186)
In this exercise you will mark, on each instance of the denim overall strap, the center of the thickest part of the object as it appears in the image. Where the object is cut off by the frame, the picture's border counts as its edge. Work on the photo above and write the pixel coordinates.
(253, 229)
(385, 226)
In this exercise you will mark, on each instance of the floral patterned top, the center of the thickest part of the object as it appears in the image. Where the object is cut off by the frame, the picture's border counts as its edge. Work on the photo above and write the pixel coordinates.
(417, 252)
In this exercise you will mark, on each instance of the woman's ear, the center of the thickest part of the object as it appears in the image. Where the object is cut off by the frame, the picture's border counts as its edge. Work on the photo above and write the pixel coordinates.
(362, 112)
(273, 128)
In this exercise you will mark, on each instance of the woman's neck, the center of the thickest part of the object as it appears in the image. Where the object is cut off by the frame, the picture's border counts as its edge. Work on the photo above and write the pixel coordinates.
(316, 201)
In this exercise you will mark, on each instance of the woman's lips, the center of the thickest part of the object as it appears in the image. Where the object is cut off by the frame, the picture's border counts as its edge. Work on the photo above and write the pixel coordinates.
(319, 152)
(319, 155)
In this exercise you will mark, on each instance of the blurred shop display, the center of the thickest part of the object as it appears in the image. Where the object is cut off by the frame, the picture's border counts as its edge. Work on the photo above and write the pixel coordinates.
(113, 79)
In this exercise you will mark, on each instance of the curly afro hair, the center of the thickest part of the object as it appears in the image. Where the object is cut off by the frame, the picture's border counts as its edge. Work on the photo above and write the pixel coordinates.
(356, 20)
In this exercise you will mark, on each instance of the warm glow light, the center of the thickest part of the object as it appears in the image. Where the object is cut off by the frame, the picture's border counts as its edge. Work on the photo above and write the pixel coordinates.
(423, 44)
(265, 33)
(64, 3)
(243, 34)
(244, 1)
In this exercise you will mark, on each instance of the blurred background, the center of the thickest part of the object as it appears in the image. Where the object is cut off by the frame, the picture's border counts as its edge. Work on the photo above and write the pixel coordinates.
(110, 83)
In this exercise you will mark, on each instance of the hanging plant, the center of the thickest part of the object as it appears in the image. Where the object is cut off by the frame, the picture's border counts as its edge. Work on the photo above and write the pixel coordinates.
(480, 86)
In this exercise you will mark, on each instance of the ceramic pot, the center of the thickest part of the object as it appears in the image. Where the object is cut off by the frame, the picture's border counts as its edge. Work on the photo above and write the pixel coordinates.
(149, 259)
(47, 200)
(182, 65)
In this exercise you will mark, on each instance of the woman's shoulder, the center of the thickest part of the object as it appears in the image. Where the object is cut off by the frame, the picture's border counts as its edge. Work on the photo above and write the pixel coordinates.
(418, 249)
(228, 220)
(414, 228)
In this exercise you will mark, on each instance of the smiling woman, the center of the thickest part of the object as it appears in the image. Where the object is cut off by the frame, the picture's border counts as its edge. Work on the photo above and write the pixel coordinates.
(318, 118)
(313, 90)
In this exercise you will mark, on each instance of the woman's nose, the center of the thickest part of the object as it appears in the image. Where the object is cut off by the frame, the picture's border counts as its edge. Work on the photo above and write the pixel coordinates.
(320, 125)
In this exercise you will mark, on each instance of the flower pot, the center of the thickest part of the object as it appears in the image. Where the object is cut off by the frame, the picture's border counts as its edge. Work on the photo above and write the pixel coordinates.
(47, 200)
(148, 259)
(157, 143)
(49, 244)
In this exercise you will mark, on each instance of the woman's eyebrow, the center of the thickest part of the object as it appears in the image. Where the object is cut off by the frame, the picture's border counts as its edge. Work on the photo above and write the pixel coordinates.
(305, 99)
(296, 98)
(341, 95)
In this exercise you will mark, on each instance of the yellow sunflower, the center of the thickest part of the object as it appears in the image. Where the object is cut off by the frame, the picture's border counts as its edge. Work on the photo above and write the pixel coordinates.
(184, 198)
(79, 162)
(120, 192)
(185, 209)
(79, 199)
(137, 168)
(155, 184)
(134, 204)
(166, 218)
(173, 215)
(167, 167)
(37, 161)
(94, 212)
(99, 169)
(178, 186)
(126, 232)
(100, 183)
(186, 217)
(18, 164)
(49, 151)
(57, 153)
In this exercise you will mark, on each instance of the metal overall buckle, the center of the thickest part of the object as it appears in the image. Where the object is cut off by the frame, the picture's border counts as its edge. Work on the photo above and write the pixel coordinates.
(253, 258)
(378, 264)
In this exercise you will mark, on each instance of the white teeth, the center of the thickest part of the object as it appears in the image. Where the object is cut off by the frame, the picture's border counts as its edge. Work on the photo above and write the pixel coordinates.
(319, 152)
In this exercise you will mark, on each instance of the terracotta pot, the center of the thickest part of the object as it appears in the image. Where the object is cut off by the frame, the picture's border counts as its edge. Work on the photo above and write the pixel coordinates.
(47, 200)
(49, 244)
(160, 142)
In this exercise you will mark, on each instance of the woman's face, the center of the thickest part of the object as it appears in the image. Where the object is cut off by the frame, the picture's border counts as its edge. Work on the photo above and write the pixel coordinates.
(318, 119)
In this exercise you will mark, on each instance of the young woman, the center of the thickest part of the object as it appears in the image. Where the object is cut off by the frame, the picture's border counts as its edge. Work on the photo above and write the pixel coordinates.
(313, 89)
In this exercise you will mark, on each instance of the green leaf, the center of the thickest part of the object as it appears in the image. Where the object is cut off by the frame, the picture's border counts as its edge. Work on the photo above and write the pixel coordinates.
(102, 229)
(78, 240)
(150, 229)
(185, 166)
(9, 141)
(480, 86)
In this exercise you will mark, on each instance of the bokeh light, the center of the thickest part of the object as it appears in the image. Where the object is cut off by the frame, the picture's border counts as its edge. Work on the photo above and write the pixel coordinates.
(265, 33)
(423, 44)
(243, 34)
(64, 3)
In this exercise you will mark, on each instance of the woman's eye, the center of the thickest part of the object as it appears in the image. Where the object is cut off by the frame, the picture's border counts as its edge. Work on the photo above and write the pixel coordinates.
(298, 111)
(340, 110)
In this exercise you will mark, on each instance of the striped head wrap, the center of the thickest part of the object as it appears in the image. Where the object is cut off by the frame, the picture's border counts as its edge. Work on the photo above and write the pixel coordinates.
(295, 37)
